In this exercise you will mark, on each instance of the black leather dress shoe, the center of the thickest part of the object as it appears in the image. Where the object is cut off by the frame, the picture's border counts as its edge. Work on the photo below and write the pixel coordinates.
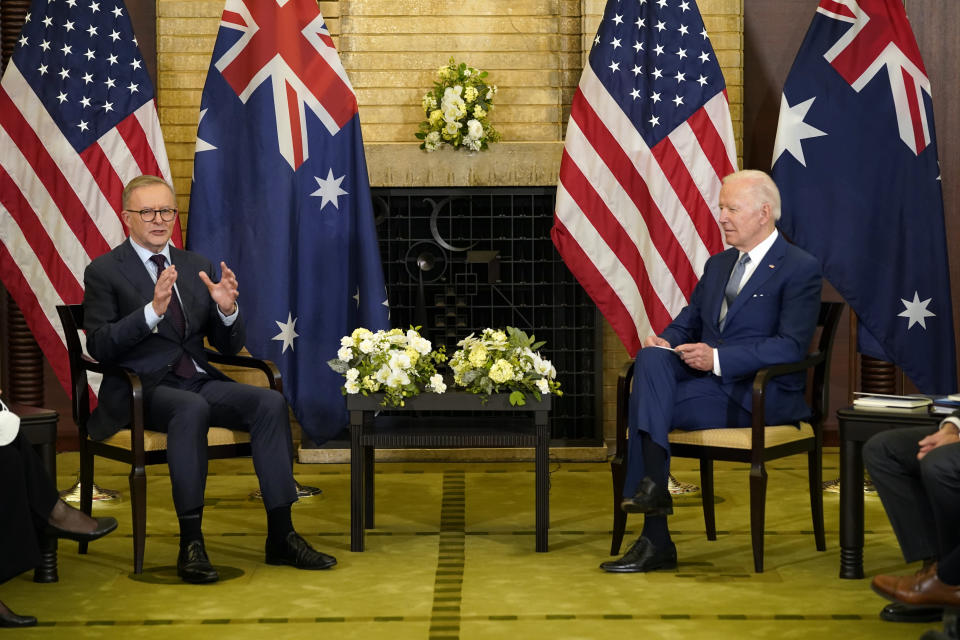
(649, 499)
(9, 620)
(899, 612)
(194, 566)
(643, 556)
(297, 552)
(104, 526)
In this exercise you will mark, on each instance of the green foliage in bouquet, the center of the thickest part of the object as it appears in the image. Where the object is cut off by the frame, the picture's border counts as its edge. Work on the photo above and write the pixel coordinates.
(399, 365)
(499, 361)
(458, 110)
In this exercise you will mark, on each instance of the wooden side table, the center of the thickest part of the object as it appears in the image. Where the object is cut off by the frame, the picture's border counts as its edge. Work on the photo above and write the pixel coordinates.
(39, 427)
(856, 427)
(407, 429)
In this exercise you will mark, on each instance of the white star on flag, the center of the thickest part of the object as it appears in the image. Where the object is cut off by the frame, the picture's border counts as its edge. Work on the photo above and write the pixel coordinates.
(329, 190)
(916, 311)
(287, 332)
(792, 130)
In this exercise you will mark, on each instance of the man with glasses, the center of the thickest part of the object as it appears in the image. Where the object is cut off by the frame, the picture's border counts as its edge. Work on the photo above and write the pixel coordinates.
(148, 306)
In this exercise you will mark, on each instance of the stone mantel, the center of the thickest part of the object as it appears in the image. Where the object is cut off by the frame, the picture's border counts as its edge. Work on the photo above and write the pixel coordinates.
(504, 164)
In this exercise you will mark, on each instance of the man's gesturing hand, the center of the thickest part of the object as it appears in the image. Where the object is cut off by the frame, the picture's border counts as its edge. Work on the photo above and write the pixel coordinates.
(225, 292)
(164, 289)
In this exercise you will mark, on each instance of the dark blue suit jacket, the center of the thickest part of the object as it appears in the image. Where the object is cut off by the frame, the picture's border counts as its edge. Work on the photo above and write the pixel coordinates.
(117, 286)
(771, 321)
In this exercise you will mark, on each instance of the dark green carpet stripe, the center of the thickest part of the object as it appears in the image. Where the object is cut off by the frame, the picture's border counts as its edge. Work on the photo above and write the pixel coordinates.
(448, 626)
(448, 581)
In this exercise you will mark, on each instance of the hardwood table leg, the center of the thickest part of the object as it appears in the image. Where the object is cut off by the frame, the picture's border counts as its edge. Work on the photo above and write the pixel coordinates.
(851, 508)
(542, 480)
(357, 489)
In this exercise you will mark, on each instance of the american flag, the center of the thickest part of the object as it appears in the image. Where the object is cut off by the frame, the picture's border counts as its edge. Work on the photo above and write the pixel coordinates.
(77, 121)
(648, 142)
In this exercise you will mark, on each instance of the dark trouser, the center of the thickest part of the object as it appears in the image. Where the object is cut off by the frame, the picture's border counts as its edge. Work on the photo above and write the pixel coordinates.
(921, 497)
(667, 394)
(185, 409)
(27, 496)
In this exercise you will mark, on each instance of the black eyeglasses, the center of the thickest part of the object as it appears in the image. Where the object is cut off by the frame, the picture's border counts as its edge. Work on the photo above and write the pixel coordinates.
(149, 215)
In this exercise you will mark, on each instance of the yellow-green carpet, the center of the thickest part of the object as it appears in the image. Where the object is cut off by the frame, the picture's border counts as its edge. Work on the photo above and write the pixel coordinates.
(453, 557)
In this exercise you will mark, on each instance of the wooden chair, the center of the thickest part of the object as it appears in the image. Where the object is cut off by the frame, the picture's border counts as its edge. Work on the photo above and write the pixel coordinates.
(755, 445)
(136, 445)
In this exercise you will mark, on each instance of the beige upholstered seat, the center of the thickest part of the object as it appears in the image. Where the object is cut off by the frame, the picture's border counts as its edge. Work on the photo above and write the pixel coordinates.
(742, 438)
(157, 440)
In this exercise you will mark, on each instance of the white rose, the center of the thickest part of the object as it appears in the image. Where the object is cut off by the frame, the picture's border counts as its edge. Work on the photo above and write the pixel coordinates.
(399, 361)
(543, 385)
(352, 387)
(437, 384)
(346, 341)
(352, 374)
(474, 129)
(345, 354)
(366, 346)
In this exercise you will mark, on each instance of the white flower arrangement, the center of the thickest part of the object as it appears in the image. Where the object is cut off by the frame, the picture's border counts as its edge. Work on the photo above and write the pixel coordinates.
(501, 361)
(458, 110)
(398, 364)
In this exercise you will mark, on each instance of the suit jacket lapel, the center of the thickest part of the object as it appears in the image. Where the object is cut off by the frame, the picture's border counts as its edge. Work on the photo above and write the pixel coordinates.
(134, 270)
(771, 264)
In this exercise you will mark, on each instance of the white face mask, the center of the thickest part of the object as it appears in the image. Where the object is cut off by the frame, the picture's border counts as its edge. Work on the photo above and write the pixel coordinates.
(9, 425)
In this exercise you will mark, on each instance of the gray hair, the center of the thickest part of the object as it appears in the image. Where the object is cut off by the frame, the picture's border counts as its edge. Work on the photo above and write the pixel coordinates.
(762, 188)
(143, 181)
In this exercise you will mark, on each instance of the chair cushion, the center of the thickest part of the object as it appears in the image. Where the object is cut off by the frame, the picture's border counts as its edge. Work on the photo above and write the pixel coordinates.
(157, 440)
(742, 438)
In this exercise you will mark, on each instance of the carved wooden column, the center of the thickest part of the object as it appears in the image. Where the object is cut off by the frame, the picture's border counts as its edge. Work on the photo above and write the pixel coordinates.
(24, 374)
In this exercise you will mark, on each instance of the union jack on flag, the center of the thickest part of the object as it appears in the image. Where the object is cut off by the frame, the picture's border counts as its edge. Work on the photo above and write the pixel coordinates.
(77, 122)
(648, 142)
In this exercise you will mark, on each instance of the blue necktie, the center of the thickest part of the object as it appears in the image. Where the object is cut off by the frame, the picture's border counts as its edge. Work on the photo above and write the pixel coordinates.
(733, 284)
(184, 367)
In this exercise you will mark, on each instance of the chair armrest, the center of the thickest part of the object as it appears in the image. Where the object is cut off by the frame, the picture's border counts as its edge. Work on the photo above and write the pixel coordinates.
(760, 381)
(765, 375)
(137, 425)
(269, 369)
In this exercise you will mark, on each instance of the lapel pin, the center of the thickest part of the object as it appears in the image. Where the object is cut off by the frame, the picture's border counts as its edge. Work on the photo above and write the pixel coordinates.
(771, 266)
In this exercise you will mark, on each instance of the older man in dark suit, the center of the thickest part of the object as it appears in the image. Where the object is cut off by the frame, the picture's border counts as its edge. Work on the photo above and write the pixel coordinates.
(755, 306)
(148, 306)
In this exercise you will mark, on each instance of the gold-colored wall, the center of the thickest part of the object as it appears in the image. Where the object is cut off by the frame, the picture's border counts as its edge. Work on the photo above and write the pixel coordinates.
(533, 50)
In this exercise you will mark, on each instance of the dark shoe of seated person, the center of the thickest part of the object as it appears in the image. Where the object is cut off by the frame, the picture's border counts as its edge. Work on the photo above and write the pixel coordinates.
(9, 620)
(67, 522)
(643, 556)
(650, 499)
(297, 552)
(922, 589)
(194, 566)
(899, 612)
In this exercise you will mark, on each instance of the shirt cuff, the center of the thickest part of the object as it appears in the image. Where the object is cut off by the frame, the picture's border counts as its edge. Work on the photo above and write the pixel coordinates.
(716, 363)
(229, 320)
(951, 420)
(151, 316)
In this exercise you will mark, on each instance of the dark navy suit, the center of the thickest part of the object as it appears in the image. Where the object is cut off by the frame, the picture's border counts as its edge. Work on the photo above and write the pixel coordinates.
(771, 321)
(117, 287)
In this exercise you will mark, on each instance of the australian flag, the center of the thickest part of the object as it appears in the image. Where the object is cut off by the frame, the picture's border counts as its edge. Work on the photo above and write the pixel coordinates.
(281, 194)
(856, 162)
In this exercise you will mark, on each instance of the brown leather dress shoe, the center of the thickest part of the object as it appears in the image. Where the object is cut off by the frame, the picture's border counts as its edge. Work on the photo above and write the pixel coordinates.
(923, 589)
